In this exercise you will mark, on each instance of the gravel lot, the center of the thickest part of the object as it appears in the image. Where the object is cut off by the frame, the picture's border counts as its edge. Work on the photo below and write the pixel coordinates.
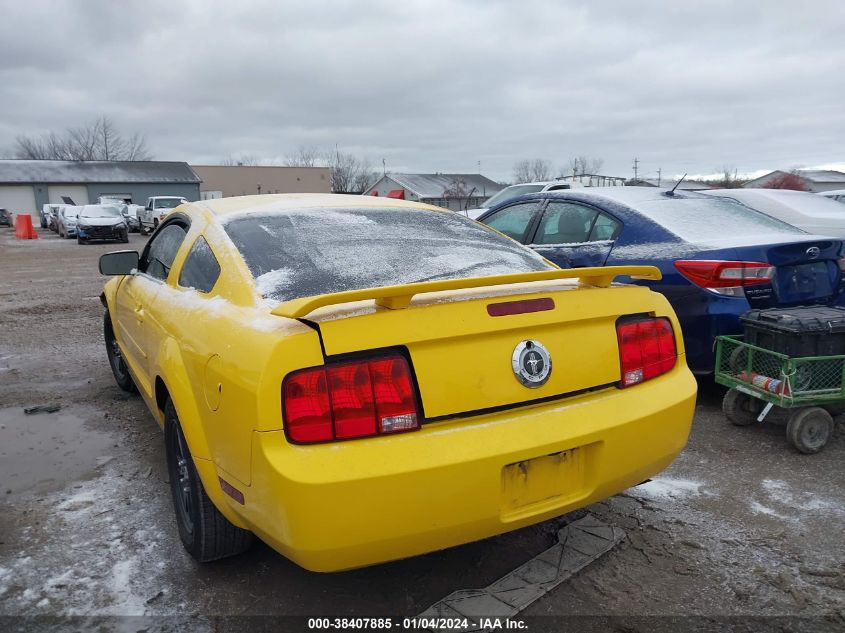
(739, 526)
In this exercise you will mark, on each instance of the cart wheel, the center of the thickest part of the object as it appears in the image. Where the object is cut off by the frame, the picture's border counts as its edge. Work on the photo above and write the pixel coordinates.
(738, 360)
(809, 429)
(740, 408)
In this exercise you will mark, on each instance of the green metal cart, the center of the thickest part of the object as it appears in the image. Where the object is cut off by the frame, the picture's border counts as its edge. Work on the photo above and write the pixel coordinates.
(760, 379)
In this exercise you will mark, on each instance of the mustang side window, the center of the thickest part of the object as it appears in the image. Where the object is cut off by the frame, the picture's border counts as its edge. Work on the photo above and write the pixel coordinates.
(565, 223)
(513, 221)
(161, 251)
(201, 268)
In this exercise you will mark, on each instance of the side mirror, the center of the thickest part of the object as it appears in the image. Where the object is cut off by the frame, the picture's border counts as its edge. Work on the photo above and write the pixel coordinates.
(119, 263)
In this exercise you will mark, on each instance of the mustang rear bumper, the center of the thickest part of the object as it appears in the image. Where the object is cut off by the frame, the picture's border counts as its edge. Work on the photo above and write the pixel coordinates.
(350, 504)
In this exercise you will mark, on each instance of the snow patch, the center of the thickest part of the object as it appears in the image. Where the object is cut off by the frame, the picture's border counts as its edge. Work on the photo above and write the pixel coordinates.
(779, 493)
(104, 546)
(667, 488)
(759, 508)
(270, 282)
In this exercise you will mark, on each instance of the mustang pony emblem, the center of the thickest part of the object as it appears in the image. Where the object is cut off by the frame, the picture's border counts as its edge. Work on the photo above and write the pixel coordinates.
(531, 363)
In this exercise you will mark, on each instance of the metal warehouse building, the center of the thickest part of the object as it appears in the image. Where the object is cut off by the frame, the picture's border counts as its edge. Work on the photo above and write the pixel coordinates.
(26, 185)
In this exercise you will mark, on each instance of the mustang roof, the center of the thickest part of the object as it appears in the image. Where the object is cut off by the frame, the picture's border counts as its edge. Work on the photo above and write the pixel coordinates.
(281, 202)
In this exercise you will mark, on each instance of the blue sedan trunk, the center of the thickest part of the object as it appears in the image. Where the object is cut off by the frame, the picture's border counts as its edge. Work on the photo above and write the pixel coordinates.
(718, 260)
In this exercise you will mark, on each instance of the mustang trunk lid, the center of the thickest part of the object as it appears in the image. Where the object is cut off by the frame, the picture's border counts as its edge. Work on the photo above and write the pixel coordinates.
(463, 357)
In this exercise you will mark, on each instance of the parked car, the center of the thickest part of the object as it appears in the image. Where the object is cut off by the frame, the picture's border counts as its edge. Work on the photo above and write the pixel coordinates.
(130, 216)
(101, 222)
(718, 257)
(836, 194)
(359, 379)
(66, 220)
(5, 217)
(157, 207)
(514, 191)
(48, 214)
(809, 211)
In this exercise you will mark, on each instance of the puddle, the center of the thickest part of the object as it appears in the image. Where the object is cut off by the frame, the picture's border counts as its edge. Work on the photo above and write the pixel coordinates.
(42, 452)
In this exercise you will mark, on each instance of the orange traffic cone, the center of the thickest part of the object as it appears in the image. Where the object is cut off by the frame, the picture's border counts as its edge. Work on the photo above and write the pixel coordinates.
(23, 227)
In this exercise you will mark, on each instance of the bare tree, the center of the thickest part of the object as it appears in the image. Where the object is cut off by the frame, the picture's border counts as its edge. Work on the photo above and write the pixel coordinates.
(457, 190)
(581, 165)
(350, 174)
(528, 170)
(309, 156)
(366, 176)
(541, 169)
(522, 171)
(241, 160)
(98, 140)
(727, 179)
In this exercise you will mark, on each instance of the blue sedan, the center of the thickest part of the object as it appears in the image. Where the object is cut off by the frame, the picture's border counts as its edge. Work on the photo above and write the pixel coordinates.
(718, 257)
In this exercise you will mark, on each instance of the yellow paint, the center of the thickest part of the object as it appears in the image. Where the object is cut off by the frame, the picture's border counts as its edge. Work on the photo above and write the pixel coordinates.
(222, 357)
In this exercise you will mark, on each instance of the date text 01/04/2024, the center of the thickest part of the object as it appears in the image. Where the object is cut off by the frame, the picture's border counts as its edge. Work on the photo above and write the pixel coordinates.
(442, 624)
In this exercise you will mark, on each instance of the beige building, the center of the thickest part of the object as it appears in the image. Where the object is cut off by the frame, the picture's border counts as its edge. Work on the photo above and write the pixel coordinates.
(224, 181)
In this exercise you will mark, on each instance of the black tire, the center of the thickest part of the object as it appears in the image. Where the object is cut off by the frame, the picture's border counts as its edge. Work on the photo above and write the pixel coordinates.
(125, 237)
(809, 430)
(118, 365)
(738, 360)
(79, 240)
(741, 409)
(205, 533)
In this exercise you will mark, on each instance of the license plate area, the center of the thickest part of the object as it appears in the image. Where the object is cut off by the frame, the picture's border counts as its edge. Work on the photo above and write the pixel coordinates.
(537, 484)
(803, 282)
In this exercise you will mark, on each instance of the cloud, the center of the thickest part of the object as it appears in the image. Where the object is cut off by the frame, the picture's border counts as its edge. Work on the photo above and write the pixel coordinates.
(437, 85)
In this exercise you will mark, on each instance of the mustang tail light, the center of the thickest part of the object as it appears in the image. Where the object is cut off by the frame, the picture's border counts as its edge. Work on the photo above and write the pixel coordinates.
(646, 349)
(725, 277)
(346, 400)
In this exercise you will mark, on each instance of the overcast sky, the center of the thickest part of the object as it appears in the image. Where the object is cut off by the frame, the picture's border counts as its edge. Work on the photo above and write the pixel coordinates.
(439, 85)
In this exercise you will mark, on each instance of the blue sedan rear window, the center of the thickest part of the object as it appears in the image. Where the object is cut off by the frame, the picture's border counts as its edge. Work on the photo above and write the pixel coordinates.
(308, 252)
(708, 220)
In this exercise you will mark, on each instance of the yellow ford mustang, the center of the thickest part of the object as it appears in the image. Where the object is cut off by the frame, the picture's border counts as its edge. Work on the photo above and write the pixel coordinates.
(356, 380)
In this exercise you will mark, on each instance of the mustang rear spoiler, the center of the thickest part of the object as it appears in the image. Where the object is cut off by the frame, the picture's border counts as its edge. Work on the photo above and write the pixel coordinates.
(398, 297)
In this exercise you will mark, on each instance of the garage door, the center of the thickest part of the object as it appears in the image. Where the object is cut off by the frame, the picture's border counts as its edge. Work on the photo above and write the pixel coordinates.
(18, 199)
(77, 193)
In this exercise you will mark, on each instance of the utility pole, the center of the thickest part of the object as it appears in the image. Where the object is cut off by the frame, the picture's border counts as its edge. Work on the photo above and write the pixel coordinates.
(636, 168)
(383, 167)
(659, 171)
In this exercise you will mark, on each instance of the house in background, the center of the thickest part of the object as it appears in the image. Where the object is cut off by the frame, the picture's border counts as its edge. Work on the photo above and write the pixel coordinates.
(814, 180)
(456, 192)
(27, 185)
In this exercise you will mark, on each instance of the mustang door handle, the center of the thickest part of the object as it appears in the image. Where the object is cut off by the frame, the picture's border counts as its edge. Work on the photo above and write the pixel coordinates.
(139, 312)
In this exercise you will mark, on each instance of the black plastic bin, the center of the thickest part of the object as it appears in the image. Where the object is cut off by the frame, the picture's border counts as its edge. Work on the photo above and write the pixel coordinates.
(797, 332)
